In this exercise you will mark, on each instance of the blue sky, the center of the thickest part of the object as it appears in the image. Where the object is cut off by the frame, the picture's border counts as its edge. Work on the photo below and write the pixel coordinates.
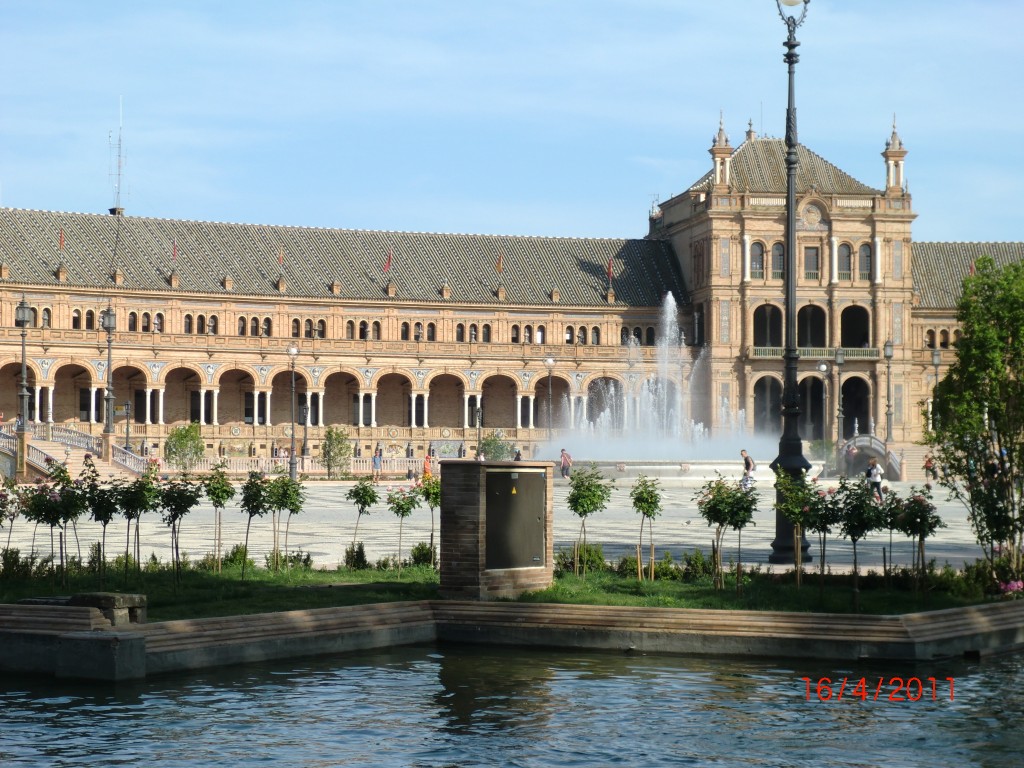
(523, 117)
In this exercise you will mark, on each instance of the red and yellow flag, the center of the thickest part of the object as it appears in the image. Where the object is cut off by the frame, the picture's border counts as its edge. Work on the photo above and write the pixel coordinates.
(387, 264)
(500, 266)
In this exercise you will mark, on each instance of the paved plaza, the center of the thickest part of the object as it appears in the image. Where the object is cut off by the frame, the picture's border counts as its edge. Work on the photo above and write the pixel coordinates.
(325, 529)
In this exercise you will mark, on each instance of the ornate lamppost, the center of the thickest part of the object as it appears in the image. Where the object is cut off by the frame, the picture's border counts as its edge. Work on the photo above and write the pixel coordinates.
(887, 351)
(293, 352)
(936, 361)
(108, 322)
(304, 418)
(791, 458)
(22, 318)
(840, 360)
(824, 369)
(127, 424)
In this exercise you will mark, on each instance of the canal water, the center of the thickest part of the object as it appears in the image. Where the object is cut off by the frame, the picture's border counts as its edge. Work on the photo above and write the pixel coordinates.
(455, 705)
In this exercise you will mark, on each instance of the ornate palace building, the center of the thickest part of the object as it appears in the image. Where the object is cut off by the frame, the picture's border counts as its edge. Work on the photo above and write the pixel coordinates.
(418, 342)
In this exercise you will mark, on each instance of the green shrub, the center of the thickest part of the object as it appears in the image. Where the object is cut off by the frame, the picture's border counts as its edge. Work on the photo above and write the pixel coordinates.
(421, 554)
(696, 567)
(626, 566)
(387, 564)
(591, 556)
(15, 567)
(236, 557)
(297, 559)
(355, 557)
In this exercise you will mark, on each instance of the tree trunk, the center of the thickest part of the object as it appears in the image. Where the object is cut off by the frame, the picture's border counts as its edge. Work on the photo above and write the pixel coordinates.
(245, 554)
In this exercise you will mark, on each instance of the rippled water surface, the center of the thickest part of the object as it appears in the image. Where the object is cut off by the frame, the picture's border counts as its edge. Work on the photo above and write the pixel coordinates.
(470, 706)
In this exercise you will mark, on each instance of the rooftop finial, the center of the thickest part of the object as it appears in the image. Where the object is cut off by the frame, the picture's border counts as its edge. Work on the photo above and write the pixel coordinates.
(722, 139)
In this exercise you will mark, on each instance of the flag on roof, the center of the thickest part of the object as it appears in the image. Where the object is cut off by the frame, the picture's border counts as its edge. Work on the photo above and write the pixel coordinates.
(174, 250)
(62, 239)
(610, 265)
(500, 266)
(280, 256)
(387, 264)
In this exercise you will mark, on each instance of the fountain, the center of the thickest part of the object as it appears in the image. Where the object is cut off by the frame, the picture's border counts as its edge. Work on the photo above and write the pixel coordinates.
(654, 427)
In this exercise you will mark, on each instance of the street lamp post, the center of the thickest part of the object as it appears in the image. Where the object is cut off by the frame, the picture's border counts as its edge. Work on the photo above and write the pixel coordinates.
(293, 352)
(550, 363)
(824, 369)
(479, 418)
(127, 424)
(840, 360)
(108, 322)
(936, 361)
(791, 458)
(22, 318)
(304, 418)
(887, 351)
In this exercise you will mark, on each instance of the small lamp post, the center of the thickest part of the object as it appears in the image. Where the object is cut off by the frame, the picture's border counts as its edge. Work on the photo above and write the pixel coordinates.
(840, 361)
(127, 424)
(824, 369)
(22, 318)
(108, 322)
(550, 363)
(293, 472)
(304, 418)
(887, 351)
(479, 414)
(936, 362)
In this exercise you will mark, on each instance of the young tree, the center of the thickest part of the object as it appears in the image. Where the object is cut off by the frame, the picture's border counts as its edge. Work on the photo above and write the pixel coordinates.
(978, 415)
(646, 498)
(402, 502)
(430, 490)
(364, 496)
(588, 493)
(726, 504)
(824, 514)
(335, 452)
(285, 494)
(103, 501)
(919, 520)
(139, 496)
(184, 447)
(794, 501)
(861, 515)
(219, 491)
(255, 503)
(177, 499)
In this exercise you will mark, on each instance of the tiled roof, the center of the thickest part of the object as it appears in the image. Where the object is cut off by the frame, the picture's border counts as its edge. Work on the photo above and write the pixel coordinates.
(315, 258)
(940, 268)
(759, 165)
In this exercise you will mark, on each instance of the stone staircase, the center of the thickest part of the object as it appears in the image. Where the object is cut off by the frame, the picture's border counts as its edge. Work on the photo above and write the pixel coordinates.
(76, 460)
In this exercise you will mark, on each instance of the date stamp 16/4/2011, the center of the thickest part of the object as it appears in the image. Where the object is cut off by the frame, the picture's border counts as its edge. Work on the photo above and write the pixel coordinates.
(894, 689)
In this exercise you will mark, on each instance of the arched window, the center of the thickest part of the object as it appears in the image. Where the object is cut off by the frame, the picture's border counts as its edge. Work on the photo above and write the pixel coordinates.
(638, 335)
(321, 329)
(581, 335)
(200, 323)
(486, 333)
(528, 334)
(46, 318)
(624, 336)
(350, 329)
(473, 334)
(944, 339)
(595, 335)
(364, 330)
(90, 320)
(404, 332)
(650, 337)
(211, 325)
(146, 325)
(308, 328)
(778, 261)
(158, 322)
(268, 327)
(540, 334)
(188, 324)
(295, 328)
(929, 339)
(35, 317)
(864, 262)
(133, 321)
(242, 325)
(757, 261)
(460, 332)
(431, 332)
(845, 262)
(76, 320)
(376, 331)
(254, 327)
(514, 338)
(570, 334)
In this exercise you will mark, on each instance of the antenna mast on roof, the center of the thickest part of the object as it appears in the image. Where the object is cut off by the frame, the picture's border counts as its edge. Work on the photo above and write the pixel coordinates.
(119, 167)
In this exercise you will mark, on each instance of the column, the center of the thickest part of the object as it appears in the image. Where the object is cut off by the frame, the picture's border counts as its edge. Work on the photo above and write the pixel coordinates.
(146, 413)
(266, 404)
(35, 396)
(160, 405)
(373, 409)
(583, 409)
(572, 411)
(465, 411)
(426, 409)
(533, 406)
(92, 405)
(49, 405)
(213, 407)
(519, 411)
(202, 406)
(876, 264)
(625, 411)
(412, 409)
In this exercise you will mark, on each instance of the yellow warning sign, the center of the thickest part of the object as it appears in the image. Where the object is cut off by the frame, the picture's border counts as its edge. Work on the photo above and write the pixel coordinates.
(513, 490)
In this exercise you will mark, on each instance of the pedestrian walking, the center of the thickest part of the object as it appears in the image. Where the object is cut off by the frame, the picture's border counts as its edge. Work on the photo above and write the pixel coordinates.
(749, 465)
(874, 475)
(565, 461)
(378, 464)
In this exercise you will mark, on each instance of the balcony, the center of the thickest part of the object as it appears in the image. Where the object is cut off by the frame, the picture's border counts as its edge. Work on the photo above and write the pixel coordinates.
(815, 353)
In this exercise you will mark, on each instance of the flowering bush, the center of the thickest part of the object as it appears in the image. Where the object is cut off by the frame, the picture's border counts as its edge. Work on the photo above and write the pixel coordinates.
(1012, 589)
